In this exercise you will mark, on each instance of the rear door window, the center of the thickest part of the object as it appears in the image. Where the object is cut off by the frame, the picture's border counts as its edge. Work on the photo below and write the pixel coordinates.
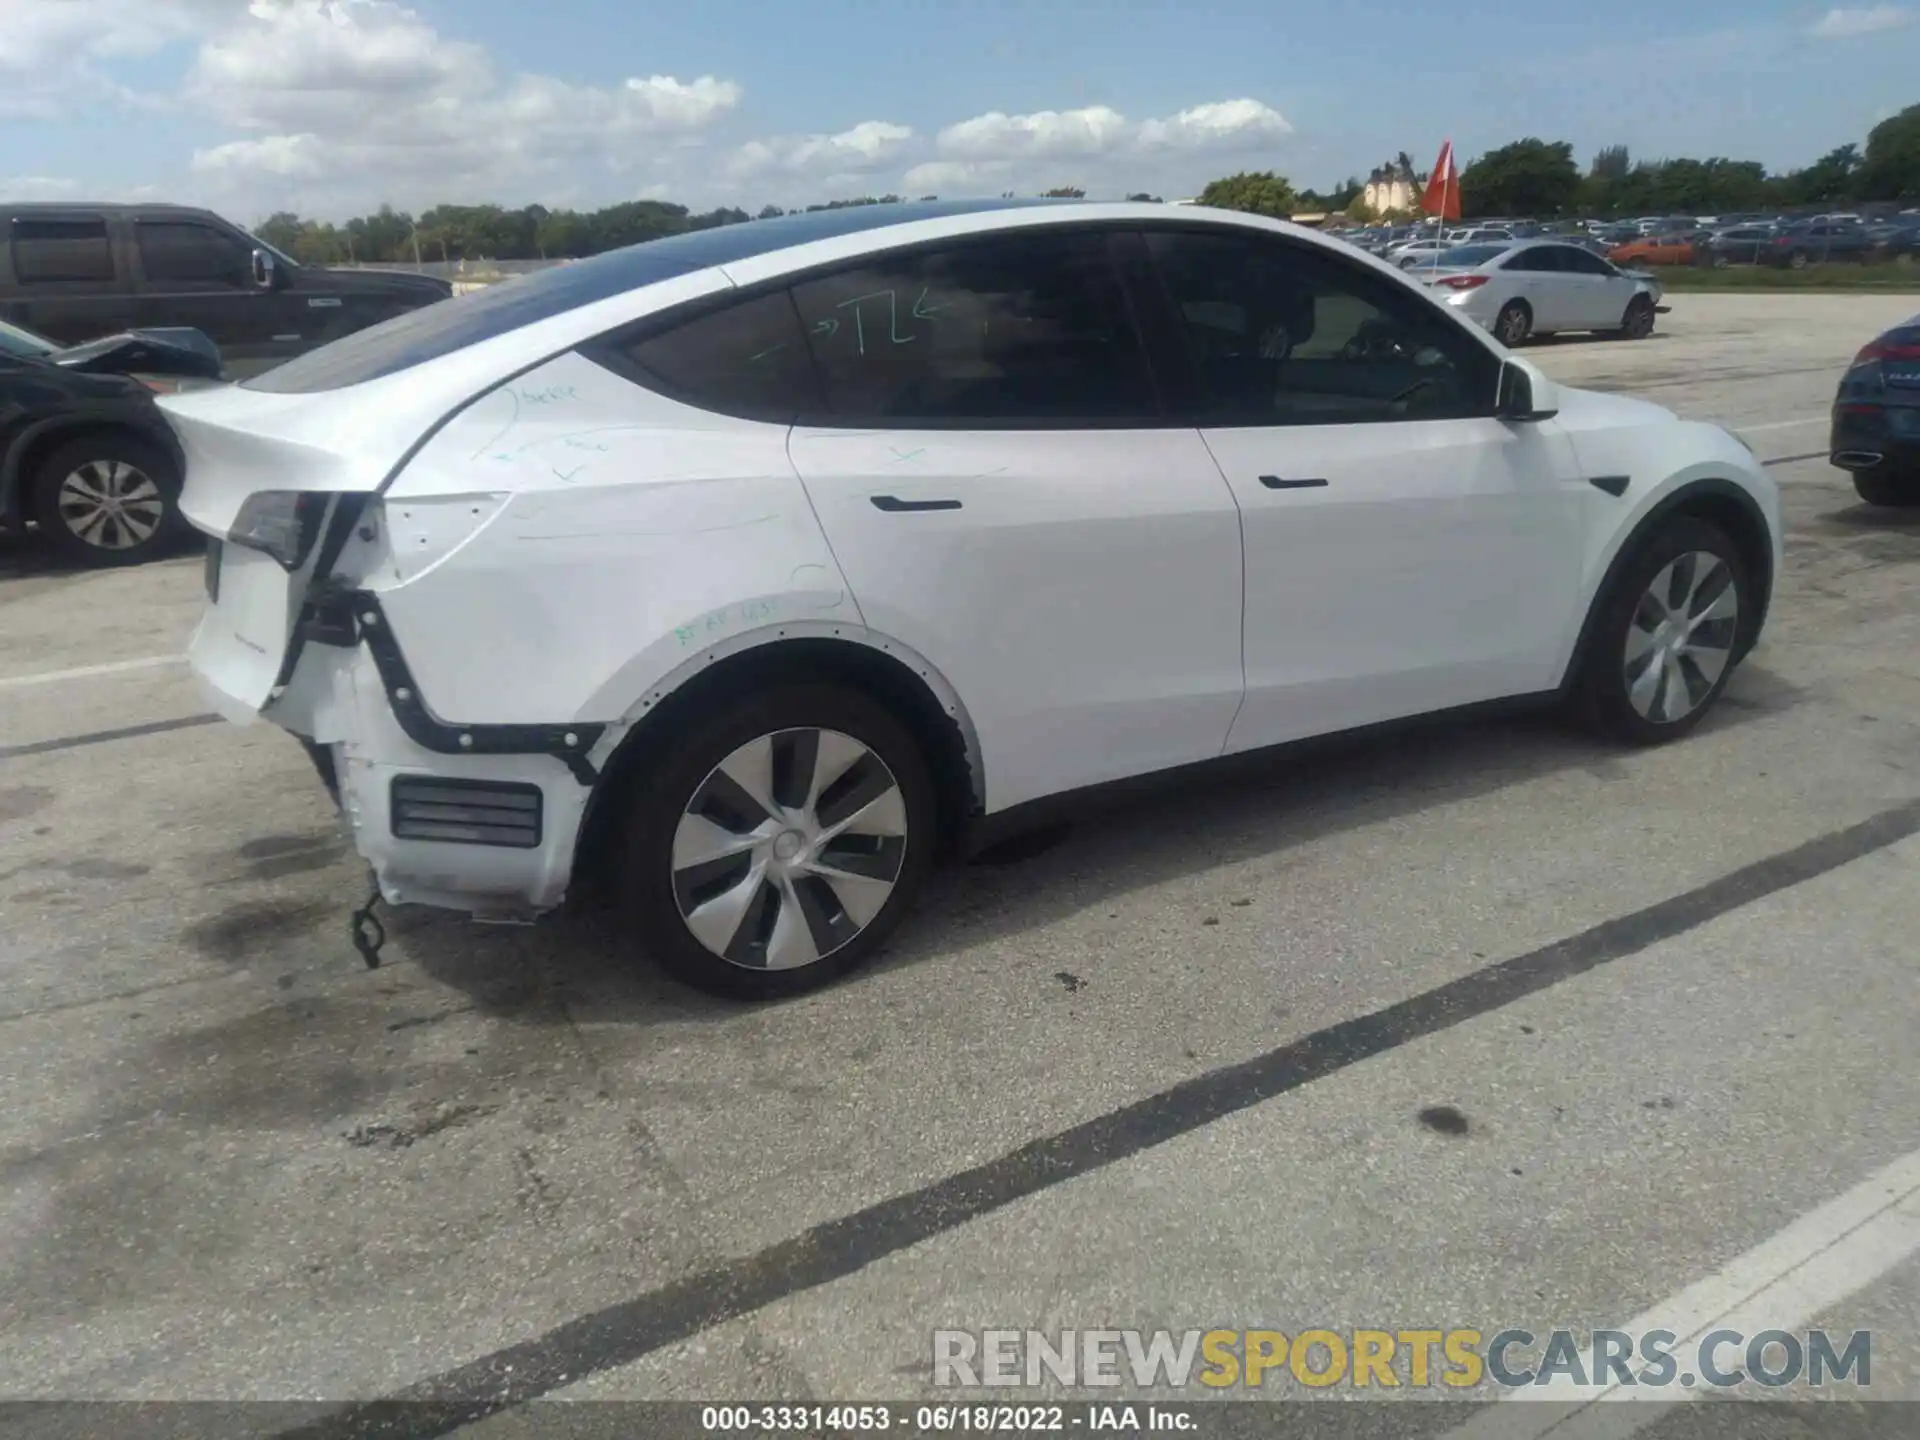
(55, 251)
(1026, 328)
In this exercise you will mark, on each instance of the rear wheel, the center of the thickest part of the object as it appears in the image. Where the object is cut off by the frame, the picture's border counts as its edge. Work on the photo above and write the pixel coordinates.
(1665, 639)
(1513, 324)
(1797, 260)
(777, 844)
(1891, 490)
(108, 498)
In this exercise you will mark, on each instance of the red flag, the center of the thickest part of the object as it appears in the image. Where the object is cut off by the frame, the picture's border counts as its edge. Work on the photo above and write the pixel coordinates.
(1442, 198)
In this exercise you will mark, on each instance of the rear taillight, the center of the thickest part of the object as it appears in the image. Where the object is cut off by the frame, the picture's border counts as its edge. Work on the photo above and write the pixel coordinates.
(1886, 350)
(280, 523)
(1462, 282)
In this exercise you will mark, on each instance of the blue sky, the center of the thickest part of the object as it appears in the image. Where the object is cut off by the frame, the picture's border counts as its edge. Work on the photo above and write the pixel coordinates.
(331, 106)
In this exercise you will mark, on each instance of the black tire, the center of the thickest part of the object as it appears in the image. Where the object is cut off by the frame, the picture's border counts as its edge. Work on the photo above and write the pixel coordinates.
(145, 524)
(1600, 697)
(1513, 324)
(1721, 261)
(1637, 323)
(685, 766)
(1797, 260)
(1889, 490)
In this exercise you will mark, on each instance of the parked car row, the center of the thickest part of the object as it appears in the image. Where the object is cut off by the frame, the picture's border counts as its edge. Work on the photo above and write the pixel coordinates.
(1791, 242)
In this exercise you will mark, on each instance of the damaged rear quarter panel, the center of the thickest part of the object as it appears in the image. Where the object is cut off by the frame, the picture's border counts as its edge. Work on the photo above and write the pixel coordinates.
(635, 534)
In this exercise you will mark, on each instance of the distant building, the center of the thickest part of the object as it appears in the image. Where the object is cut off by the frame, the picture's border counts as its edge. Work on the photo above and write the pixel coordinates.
(1393, 186)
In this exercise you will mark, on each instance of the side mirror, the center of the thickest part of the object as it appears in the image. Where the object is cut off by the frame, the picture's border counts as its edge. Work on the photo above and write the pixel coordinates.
(263, 270)
(1524, 396)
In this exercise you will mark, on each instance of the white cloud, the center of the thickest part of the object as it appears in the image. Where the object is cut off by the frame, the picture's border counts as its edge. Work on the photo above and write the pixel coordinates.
(857, 151)
(54, 50)
(331, 107)
(1227, 123)
(1043, 135)
(364, 100)
(1845, 24)
(1092, 147)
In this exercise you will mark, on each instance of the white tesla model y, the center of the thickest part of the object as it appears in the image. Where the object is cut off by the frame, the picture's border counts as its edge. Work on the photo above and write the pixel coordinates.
(763, 563)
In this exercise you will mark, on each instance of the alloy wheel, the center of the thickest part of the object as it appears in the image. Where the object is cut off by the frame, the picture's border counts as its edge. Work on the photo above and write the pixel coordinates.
(1682, 637)
(111, 504)
(789, 849)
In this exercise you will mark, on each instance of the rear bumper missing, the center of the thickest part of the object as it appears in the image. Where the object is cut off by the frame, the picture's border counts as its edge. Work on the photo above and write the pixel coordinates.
(479, 819)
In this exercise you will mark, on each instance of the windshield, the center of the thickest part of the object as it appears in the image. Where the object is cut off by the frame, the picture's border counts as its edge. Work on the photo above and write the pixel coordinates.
(15, 341)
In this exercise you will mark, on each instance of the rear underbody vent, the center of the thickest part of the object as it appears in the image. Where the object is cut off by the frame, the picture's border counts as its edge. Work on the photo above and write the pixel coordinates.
(465, 812)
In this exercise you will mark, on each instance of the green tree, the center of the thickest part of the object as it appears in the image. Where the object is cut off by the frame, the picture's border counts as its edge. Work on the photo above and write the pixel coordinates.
(1141, 197)
(1528, 177)
(1064, 192)
(1891, 167)
(1612, 164)
(1256, 192)
(1831, 179)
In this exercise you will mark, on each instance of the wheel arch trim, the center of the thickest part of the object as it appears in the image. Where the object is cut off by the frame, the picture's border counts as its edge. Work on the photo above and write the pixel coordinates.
(1679, 498)
(765, 642)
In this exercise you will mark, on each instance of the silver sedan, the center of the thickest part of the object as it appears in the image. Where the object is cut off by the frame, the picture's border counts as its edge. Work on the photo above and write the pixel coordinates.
(1537, 287)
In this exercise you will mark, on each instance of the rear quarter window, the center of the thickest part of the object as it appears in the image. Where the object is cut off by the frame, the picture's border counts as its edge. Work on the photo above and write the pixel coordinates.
(747, 358)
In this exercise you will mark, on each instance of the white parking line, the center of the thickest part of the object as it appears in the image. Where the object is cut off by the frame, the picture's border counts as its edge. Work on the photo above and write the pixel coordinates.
(1780, 425)
(1816, 1262)
(87, 672)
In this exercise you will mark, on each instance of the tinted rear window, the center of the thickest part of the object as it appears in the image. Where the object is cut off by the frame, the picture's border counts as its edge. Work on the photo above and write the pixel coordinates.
(46, 251)
(748, 359)
(450, 325)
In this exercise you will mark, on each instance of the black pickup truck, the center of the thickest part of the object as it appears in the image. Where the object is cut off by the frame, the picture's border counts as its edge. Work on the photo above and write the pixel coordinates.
(75, 272)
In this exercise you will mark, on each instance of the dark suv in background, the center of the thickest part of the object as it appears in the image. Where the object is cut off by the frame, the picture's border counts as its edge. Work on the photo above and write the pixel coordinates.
(77, 272)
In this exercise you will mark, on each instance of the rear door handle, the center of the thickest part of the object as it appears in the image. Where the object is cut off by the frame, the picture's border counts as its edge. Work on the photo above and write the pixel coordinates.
(1274, 482)
(894, 505)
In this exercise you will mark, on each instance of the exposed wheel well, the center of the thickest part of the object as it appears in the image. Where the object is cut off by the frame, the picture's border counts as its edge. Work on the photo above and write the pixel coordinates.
(859, 667)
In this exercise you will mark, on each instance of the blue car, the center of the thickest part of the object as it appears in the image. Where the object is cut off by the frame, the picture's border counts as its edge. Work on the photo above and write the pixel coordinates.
(1876, 418)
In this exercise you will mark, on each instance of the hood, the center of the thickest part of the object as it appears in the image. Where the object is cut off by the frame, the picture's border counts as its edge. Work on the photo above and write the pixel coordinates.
(1603, 410)
(388, 282)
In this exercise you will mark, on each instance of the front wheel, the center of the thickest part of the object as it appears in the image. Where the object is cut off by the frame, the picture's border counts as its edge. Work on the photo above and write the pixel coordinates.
(1637, 323)
(779, 841)
(108, 499)
(1664, 642)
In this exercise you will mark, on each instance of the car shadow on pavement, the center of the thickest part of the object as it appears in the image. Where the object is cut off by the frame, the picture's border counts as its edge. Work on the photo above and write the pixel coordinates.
(1575, 339)
(1870, 518)
(1131, 838)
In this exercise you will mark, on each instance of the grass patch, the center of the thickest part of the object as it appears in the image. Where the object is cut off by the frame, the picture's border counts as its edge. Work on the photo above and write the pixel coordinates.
(1894, 276)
